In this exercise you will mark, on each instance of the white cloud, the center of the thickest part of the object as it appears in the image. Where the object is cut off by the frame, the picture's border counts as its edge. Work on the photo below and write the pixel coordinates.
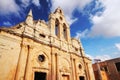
(82, 34)
(7, 7)
(102, 57)
(71, 20)
(26, 3)
(36, 2)
(69, 6)
(7, 23)
(117, 45)
(107, 24)
(91, 57)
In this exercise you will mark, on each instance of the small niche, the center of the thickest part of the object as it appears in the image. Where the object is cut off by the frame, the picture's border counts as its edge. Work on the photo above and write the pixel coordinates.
(76, 49)
(42, 35)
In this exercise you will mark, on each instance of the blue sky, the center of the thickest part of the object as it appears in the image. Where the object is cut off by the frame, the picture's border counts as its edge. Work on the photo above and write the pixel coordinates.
(96, 22)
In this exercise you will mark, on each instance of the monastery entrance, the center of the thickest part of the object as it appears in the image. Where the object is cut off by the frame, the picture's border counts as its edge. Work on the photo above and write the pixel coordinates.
(39, 76)
(81, 78)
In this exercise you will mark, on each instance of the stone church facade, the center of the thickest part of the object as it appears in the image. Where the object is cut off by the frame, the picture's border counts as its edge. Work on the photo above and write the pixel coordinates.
(37, 50)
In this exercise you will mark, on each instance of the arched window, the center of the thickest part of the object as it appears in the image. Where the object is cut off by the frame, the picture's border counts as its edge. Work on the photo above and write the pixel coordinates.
(60, 11)
(64, 31)
(56, 27)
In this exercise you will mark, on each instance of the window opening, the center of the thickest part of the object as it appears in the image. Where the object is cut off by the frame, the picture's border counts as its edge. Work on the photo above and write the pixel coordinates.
(41, 58)
(64, 31)
(60, 12)
(61, 18)
(56, 27)
(42, 35)
(104, 68)
(118, 66)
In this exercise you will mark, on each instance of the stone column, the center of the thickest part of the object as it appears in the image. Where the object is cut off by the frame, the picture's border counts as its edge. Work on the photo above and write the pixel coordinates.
(52, 24)
(60, 34)
(91, 73)
(73, 69)
(20, 71)
(28, 70)
(53, 64)
(57, 67)
(68, 35)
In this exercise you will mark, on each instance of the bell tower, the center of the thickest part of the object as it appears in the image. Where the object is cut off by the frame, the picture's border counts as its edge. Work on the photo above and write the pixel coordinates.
(59, 26)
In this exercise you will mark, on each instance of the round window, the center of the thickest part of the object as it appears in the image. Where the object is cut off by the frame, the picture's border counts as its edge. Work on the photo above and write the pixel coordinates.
(41, 58)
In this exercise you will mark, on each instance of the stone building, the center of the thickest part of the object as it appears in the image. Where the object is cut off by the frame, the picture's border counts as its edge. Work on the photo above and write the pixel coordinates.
(107, 70)
(37, 50)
